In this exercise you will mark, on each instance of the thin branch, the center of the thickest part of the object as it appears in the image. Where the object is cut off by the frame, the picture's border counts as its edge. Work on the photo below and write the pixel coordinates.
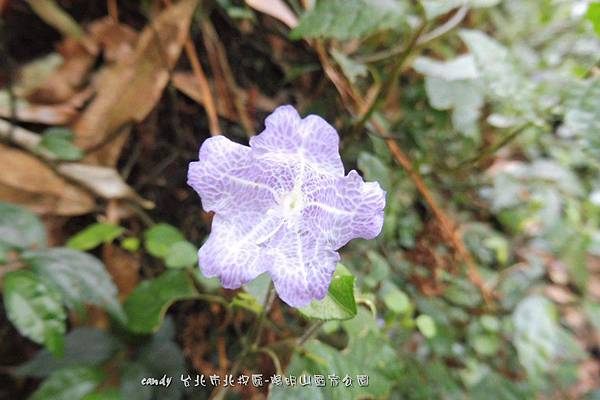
(209, 102)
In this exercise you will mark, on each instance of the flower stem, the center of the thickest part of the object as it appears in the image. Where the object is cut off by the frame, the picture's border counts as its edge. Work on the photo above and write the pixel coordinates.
(253, 339)
(310, 332)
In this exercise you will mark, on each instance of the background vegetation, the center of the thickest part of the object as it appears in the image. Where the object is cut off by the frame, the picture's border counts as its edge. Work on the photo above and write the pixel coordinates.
(480, 118)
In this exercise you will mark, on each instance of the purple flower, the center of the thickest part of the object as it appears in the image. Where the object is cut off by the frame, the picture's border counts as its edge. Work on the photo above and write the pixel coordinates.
(282, 206)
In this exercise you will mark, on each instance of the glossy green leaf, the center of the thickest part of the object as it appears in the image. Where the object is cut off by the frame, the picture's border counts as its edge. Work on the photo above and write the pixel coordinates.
(147, 304)
(339, 302)
(94, 235)
(20, 228)
(35, 309)
(80, 277)
(593, 15)
(71, 383)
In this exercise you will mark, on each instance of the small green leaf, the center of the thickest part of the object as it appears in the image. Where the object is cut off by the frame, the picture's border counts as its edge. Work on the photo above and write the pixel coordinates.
(130, 244)
(159, 239)
(486, 345)
(182, 255)
(59, 141)
(69, 383)
(147, 304)
(339, 302)
(80, 277)
(593, 15)
(374, 169)
(426, 326)
(352, 69)
(94, 235)
(20, 228)
(35, 309)
(397, 301)
(347, 19)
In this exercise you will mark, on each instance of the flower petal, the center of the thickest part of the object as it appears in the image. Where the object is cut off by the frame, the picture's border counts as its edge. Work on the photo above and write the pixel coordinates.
(302, 266)
(311, 140)
(344, 209)
(233, 253)
(228, 179)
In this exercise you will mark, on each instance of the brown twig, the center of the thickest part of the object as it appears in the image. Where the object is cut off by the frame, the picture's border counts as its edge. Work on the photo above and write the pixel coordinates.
(211, 41)
(355, 104)
(113, 10)
(209, 102)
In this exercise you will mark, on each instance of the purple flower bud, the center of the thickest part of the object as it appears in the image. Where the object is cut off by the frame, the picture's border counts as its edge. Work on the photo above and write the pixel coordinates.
(282, 206)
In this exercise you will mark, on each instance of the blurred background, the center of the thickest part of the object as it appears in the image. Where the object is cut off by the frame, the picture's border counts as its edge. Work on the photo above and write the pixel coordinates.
(480, 118)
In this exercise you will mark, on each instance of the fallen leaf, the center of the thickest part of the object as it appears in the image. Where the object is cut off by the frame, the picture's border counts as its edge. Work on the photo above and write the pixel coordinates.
(60, 114)
(26, 180)
(276, 9)
(130, 90)
(186, 83)
(103, 181)
(69, 77)
(117, 41)
(124, 268)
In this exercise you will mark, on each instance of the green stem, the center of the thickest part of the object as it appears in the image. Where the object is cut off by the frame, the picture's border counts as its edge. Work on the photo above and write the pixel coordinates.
(56, 17)
(310, 332)
(254, 340)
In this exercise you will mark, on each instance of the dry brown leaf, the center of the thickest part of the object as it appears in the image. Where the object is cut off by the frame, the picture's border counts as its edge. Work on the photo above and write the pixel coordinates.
(130, 90)
(103, 181)
(59, 114)
(28, 181)
(188, 85)
(276, 9)
(116, 40)
(69, 77)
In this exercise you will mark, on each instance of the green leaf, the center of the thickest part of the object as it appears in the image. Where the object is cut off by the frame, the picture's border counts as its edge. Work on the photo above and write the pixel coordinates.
(70, 383)
(348, 19)
(593, 15)
(374, 169)
(536, 335)
(352, 69)
(109, 394)
(339, 302)
(94, 235)
(147, 304)
(159, 239)
(182, 255)
(582, 115)
(368, 355)
(59, 141)
(20, 228)
(80, 277)
(435, 8)
(35, 309)
(83, 346)
(426, 325)
(397, 301)
(259, 288)
(130, 244)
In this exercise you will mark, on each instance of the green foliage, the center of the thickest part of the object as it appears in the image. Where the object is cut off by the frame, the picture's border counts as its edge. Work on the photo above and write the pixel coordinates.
(69, 383)
(94, 235)
(59, 142)
(35, 309)
(80, 277)
(83, 346)
(20, 229)
(347, 19)
(147, 304)
(339, 302)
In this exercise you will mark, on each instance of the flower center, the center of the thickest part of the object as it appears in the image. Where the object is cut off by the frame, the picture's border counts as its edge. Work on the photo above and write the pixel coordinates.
(293, 202)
